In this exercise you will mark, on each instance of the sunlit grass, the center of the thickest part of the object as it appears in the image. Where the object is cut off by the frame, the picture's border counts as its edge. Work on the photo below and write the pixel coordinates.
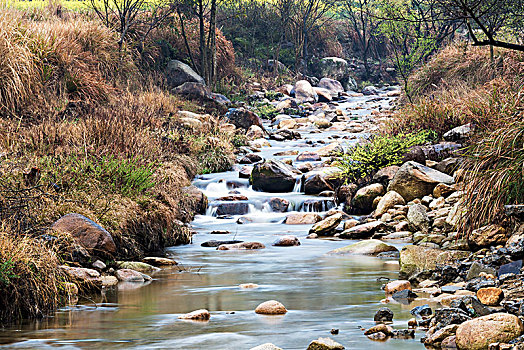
(23, 5)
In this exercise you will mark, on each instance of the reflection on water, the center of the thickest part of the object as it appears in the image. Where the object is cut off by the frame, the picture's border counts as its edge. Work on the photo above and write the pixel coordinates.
(320, 291)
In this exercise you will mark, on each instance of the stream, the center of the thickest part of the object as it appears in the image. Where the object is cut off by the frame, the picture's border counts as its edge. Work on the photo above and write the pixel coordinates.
(321, 292)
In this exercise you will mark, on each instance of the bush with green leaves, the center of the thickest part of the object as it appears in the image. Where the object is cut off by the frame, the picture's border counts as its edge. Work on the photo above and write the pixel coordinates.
(266, 111)
(366, 158)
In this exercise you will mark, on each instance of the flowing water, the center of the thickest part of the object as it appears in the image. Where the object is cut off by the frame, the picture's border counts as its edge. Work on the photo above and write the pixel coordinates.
(320, 291)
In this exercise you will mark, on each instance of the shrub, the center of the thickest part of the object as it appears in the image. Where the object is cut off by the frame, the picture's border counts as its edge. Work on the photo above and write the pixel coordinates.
(494, 175)
(266, 111)
(367, 158)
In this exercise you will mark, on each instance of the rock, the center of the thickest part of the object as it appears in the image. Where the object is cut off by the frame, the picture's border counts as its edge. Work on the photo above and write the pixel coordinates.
(491, 235)
(418, 218)
(250, 158)
(286, 241)
(99, 265)
(436, 338)
(304, 92)
(515, 210)
(248, 286)
(334, 68)
(415, 154)
(478, 333)
(333, 86)
(156, 261)
(512, 267)
(449, 343)
(477, 268)
(366, 247)
(415, 259)
(370, 90)
(197, 198)
(266, 346)
(242, 246)
(308, 156)
(271, 307)
(137, 266)
(272, 176)
(449, 165)
(447, 316)
(383, 328)
(316, 182)
(384, 314)
(385, 175)
(214, 243)
(108, 281)
(82, 275)
(302, 219)
(234, 208)
(324, 95)
(255, 132)
(414, 180)
(245, 172)
(279, 205)
(87, 233)
(362, 202)
(346, 192)
(179, 73)
(363, 231)
(388, 201)
(287, 124)
(333, 149)
(422, 311)
(191, 123)
(201, 92)
(404, 296)
(128, 275)
(325, 344)
(326, 226)
(460, 133)
(442, 190)
(197, 315)
(490, 296)
(396, 286)
(243, 118)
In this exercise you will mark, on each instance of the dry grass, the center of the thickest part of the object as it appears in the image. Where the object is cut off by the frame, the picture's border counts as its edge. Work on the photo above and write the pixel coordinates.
(31, 285)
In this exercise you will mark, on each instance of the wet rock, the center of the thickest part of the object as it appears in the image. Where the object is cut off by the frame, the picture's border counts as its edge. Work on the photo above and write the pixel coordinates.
(243, 118)
(286, 241)
(327, 226)
(305, 167)
(82, 275)
(272, 176)
(404, 296)
(250, 158)
(254, 132)
(325, 344)
(158, 261)
(362, 202)
(346, 192)
(333, 149)
(137, 266)
(412, 323)
(233, 197)
(266, 346)
(128, 275)
(447, 316)
(304, 92)
(363, 231)
(379, 336)
(460, 133)
(302, 219)
(87, 233)
(386, 329)
(385, 175)
(490, 296)
(512, 267)
(387, 202)
(245, 172)
(478, 333)
(316, 182)
(179, 73)
(384, 314)
(213, 243)
(422, 311)
(449, 343)
(403, 334)
(418, 218)
(271, 307)
(370, 90)
(415, 259)
(197, 315)
(219, 232)
(366, 247)
(99, 265)
(414, 180)
(308, 156)
(491, 235)
(396, 286)
(242, 246)
(197, 198)
(235, 208)
(248, 286)
(279, 205)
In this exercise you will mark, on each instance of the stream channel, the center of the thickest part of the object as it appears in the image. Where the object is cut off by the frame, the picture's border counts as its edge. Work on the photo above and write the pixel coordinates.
(320, 291)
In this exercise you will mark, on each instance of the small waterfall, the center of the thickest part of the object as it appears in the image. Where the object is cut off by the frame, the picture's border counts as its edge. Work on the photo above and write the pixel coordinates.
(316, 205)
(298, 185)
(211, 211)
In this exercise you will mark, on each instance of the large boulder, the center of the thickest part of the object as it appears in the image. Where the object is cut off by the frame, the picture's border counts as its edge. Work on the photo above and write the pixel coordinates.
(388, 201)
(334, 68)
(385, 175)
(332, 85)
(414, 180)
(243, 118)
(87, 233)
(198, 91)
(304, 92)
(478, 333)
(414, 259)
(272, 176)
(317, 181)
(328, 225)
(460, 133)
(324, 95)
(366, 247)
(362, 202)
(179, 73)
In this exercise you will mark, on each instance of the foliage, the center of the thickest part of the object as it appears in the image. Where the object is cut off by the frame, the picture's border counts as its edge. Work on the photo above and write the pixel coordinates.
(381, 151)
(266, 111)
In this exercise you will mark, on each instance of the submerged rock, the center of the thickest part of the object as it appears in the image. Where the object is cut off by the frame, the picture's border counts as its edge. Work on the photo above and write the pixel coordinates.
(266, 346)
(128, 275)
(325, 344)
(197, 315)
(286, 241)
(242, 246)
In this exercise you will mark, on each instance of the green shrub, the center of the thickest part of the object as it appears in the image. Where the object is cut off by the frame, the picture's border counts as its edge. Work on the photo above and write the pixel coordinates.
(266, 111)
(379, 152)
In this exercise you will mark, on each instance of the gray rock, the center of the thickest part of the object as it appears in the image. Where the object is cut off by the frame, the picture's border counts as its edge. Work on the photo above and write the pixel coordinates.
(418, 218)
(272, 176)
(459, 133)
(304, 92)
(476, 268)
(179, 73)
